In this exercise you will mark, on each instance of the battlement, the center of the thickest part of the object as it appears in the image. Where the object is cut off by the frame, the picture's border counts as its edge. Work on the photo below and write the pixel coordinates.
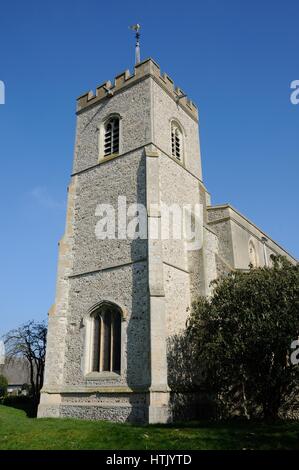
(147, 68)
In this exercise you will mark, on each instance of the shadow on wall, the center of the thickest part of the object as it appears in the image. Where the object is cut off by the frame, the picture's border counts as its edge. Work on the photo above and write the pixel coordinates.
(188, 399)
(138, 340)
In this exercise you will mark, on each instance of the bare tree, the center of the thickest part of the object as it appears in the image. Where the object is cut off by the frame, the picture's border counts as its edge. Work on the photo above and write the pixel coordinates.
(29, 341)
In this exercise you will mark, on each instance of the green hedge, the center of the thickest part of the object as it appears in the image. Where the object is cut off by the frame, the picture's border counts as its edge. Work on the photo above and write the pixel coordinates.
(20, 402)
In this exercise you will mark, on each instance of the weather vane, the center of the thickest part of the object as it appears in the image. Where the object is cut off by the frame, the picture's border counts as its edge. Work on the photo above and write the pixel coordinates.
(136, 28)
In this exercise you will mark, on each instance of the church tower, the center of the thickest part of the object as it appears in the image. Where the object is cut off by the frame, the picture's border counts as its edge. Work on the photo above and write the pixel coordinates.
(121, 299)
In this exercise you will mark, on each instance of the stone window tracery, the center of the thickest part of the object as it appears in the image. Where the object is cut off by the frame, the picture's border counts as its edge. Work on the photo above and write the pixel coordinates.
(106, 339)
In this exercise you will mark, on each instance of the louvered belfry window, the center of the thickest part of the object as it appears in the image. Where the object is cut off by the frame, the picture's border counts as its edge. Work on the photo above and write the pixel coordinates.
(111, 137)
(176, 142)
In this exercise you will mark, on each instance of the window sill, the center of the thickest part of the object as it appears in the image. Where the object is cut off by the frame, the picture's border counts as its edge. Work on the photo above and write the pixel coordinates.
(175, 159)
(102, 375)
(103, 159)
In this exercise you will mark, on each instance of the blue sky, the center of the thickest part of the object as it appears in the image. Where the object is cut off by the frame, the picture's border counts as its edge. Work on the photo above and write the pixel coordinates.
(235, 59)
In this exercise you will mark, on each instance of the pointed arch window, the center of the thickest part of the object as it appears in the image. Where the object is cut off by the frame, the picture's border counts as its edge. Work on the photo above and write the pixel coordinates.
(253, 254)
(106, 339)
(176, 141)
(111, 136)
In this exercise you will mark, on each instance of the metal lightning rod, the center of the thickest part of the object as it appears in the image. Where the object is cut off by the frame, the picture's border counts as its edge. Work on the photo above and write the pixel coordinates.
(136, 28)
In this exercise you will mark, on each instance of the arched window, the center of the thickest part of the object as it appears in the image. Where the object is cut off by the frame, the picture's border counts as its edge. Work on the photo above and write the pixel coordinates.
(111, 136)
(252, 254)
(106, 339)
(176, 141)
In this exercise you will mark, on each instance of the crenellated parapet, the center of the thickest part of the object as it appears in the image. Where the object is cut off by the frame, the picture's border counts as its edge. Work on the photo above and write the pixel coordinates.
(147, 68)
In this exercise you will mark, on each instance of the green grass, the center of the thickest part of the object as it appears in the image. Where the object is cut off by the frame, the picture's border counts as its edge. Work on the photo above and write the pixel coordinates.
(17, 431)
